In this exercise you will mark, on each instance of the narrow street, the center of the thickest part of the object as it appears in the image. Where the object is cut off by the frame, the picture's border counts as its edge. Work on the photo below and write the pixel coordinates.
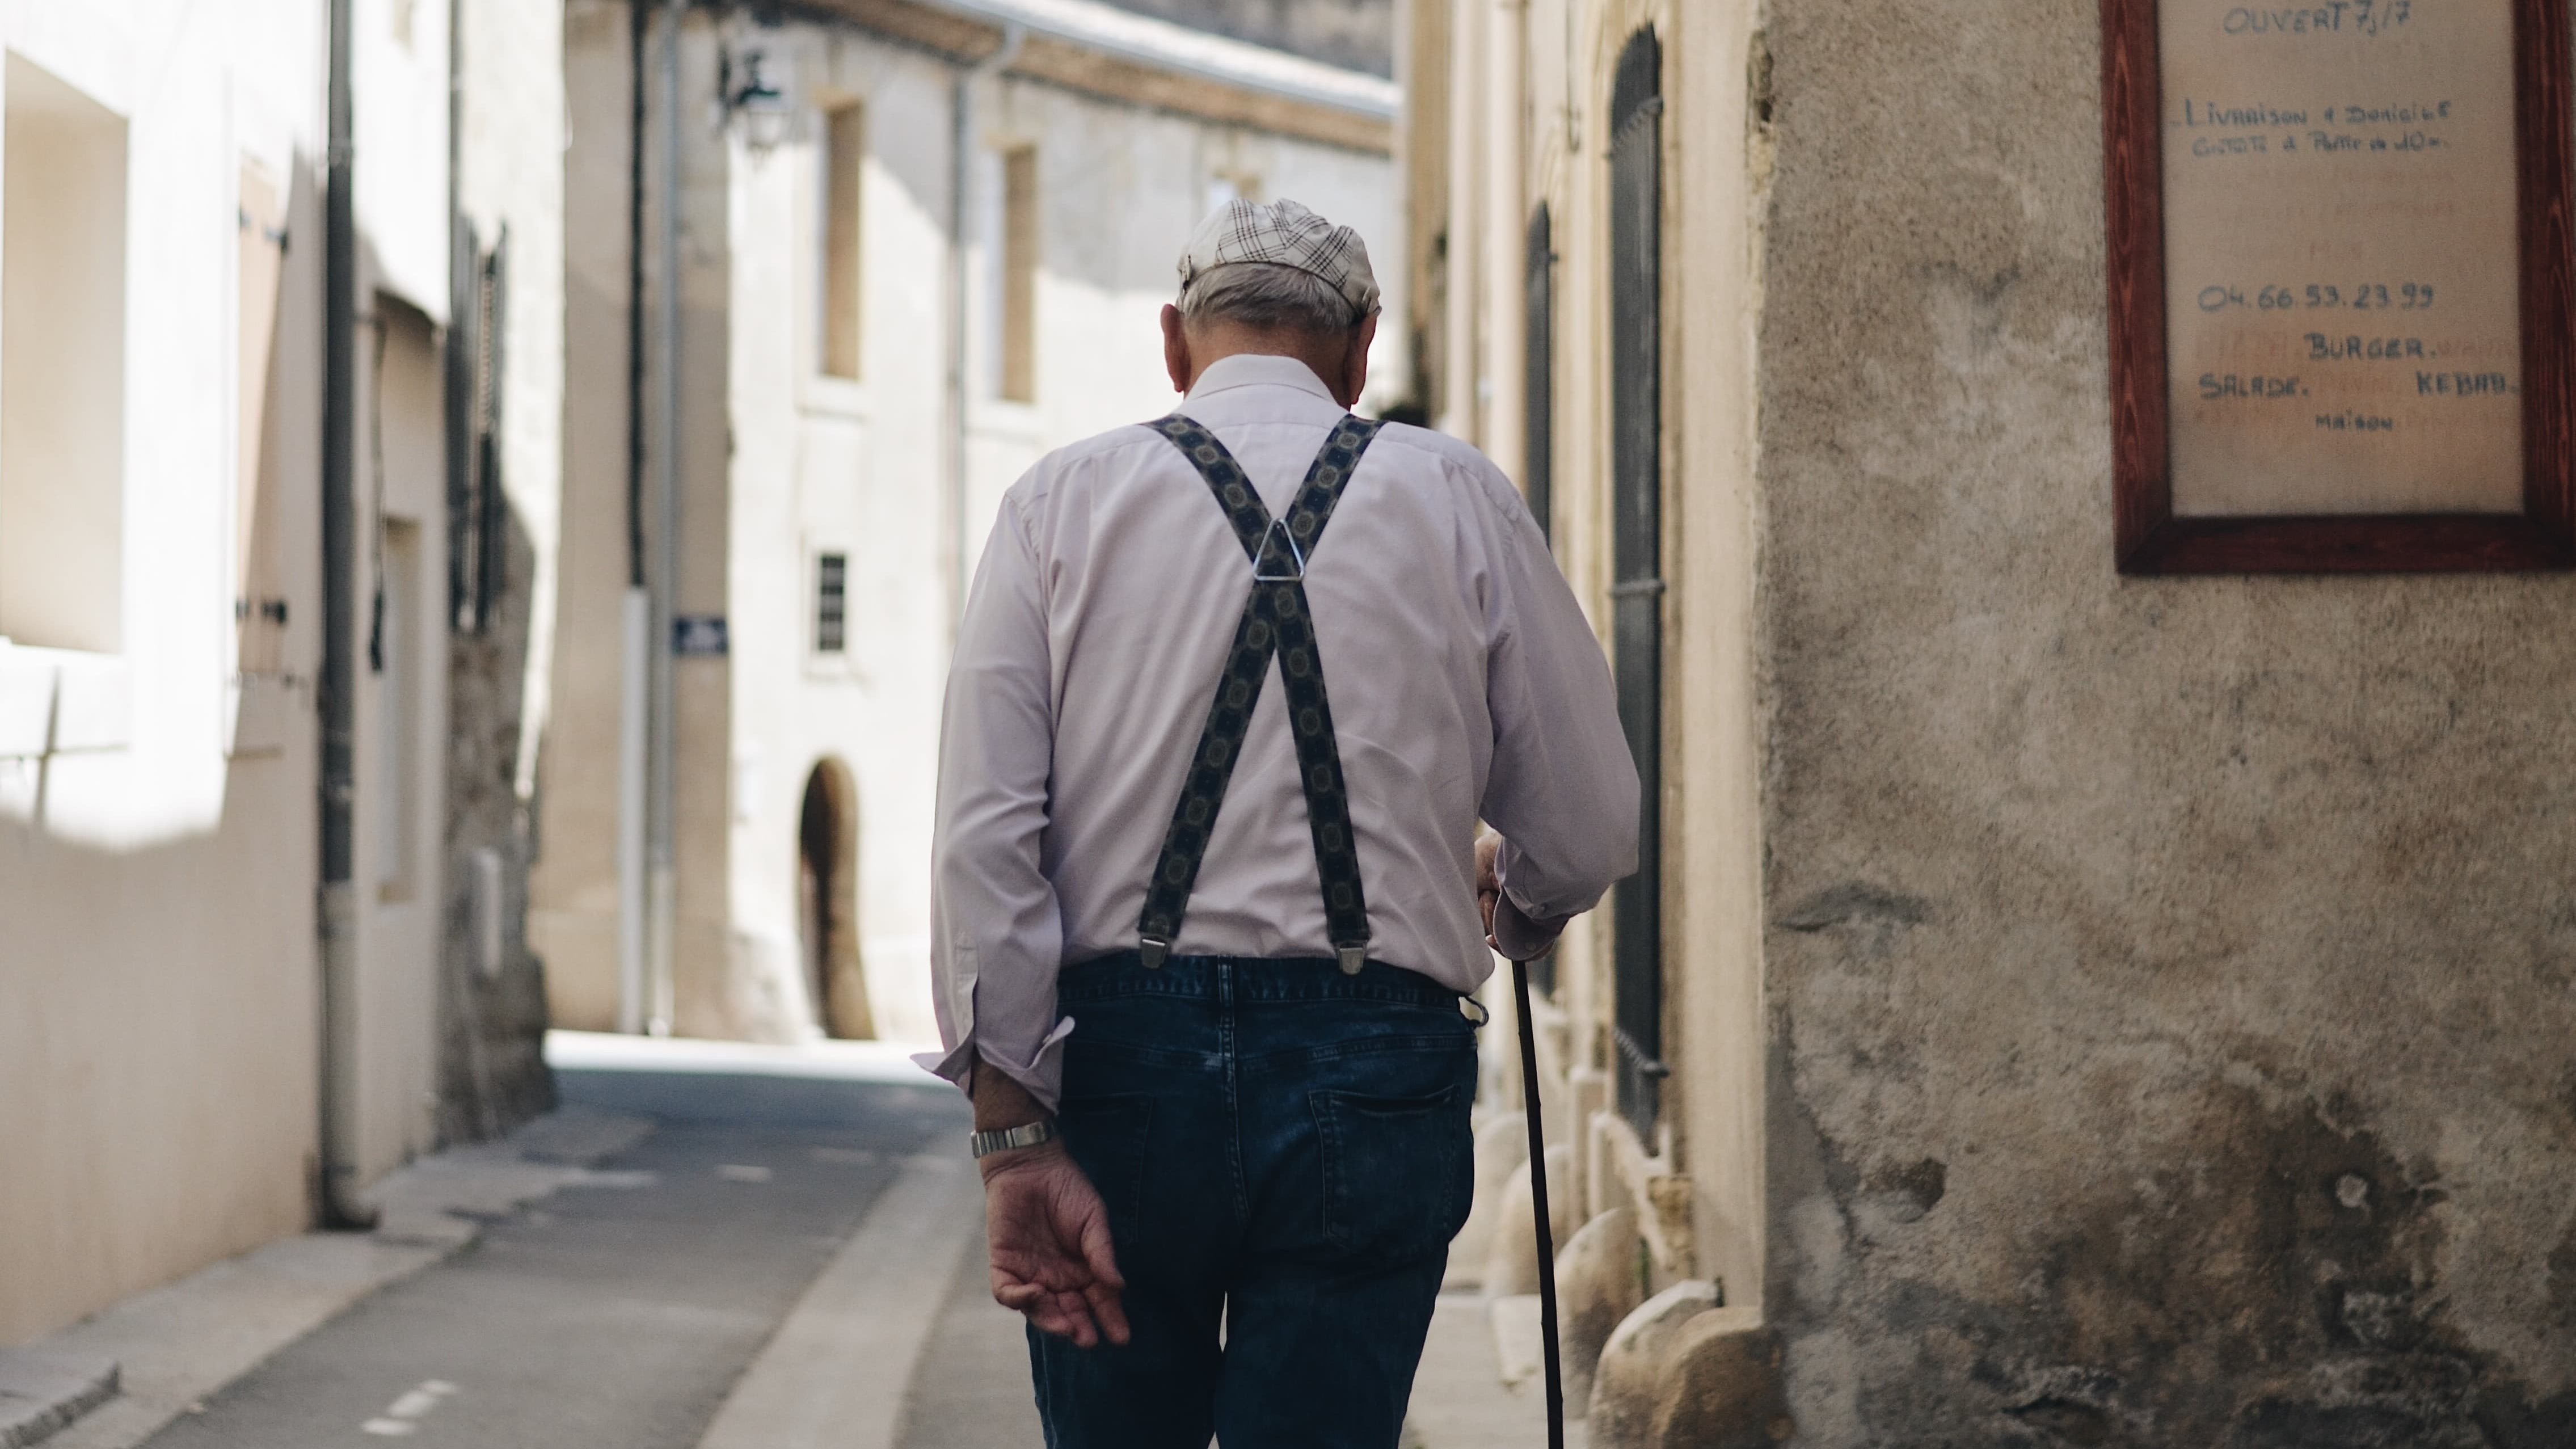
(626, 1310)
(777, 1249)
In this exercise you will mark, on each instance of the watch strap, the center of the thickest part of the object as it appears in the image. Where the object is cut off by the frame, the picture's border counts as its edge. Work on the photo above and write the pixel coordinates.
(1029, 1134)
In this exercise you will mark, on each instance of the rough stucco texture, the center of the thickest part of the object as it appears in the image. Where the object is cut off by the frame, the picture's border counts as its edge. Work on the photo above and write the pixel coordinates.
(2172, 982)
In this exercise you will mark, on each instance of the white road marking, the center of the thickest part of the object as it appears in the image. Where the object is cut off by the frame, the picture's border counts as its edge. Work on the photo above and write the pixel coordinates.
(624, 1180)
(403, 1416)
(739, 1172)
(836, 1371)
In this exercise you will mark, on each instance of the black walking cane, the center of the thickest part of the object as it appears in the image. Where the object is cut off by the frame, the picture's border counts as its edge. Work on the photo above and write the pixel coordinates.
(1538, 1211)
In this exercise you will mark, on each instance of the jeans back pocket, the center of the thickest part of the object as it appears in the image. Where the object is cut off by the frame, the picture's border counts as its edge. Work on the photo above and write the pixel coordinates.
(1399, 1172)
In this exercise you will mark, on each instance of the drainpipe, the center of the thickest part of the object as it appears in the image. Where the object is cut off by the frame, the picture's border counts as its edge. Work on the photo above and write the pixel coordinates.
(336, 1191)
(662, 877)
(961, 181)
(635, 702)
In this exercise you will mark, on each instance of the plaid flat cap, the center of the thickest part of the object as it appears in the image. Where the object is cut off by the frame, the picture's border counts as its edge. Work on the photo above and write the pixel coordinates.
(1288, 235)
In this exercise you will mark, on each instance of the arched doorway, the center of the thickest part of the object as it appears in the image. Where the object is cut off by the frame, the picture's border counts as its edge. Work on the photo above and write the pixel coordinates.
(827, 841)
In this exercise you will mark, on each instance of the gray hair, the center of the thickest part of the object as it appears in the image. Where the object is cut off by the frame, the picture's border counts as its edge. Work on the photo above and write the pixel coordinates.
(1267, 295)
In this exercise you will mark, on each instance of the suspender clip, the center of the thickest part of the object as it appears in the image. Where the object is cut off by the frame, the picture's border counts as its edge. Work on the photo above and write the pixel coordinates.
(1154, 953)
(1353, 957)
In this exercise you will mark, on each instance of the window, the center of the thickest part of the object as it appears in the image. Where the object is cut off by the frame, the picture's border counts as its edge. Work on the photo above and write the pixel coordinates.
(845, 147)
(831, 603)
(1637, 588)
(62, 366)
(1020, 274)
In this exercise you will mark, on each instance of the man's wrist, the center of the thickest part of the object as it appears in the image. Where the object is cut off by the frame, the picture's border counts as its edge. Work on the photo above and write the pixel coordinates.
(1012, 1139)
(1001, 1102)
(1519, 936)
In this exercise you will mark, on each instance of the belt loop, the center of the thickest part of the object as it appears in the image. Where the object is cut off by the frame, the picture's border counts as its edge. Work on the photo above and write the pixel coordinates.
(1154, 953)
(1353, 958)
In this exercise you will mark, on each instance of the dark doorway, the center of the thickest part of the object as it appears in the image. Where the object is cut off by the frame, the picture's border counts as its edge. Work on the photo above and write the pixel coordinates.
(827, 838)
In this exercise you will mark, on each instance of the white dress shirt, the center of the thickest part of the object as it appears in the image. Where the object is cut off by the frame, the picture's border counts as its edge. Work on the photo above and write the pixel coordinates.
(1464, 679)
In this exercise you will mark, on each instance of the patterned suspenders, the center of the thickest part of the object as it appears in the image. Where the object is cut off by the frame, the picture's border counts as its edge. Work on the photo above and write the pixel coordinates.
(1275, 621)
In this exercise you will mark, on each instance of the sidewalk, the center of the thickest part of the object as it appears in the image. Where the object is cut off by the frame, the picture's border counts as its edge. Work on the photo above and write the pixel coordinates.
(170, 1348)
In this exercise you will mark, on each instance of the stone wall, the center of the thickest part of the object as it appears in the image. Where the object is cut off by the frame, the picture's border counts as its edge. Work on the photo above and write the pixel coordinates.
(2170, 982)
(492, 1005)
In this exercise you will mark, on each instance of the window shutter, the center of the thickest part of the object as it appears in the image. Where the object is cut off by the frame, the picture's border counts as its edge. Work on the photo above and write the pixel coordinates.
(1637, 590)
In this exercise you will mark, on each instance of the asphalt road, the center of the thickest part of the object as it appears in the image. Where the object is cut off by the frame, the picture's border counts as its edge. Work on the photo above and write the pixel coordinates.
(610, 1315)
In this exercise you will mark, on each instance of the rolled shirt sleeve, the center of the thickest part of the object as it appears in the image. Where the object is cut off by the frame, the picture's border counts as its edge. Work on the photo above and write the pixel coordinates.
(997, 933)
(1563, 790)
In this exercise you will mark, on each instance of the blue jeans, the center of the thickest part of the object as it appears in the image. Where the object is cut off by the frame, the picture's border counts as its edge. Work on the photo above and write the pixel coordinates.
(1285, 1154)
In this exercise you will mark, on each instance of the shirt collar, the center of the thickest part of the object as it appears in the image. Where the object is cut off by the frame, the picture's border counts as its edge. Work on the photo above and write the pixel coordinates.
(1253, 369)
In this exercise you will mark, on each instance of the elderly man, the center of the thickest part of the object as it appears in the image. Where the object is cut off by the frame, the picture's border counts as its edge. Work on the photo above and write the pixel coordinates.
(1202, 939)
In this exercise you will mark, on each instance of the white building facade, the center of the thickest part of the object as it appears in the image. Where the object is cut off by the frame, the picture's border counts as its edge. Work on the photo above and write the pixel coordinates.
(172, 1084)
(870, 355)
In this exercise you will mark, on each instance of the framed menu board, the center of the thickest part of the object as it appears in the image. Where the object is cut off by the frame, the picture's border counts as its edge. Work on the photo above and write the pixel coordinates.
(2340, 264)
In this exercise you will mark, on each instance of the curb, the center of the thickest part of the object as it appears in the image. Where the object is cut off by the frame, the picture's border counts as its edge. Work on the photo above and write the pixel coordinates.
(42, 1392)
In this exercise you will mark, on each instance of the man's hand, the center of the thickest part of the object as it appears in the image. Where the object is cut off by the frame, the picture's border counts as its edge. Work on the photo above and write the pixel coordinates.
(1489, 881)
(1045, 1226)
(1049, 1236)
(1509, 931)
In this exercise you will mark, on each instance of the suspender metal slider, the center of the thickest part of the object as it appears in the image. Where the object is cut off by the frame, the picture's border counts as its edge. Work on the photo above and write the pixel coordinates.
(1280, 560)
(1154, 953)
(1353, 957)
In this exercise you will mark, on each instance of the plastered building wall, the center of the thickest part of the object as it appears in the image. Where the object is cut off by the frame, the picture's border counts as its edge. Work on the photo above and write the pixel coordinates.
(158, 1051)
(572, 917)
(2102, 1011)
(156, 1058)
(400, 86)
(2170, 980)
(1520, 96)
(849, 466)
(157, 963)
(786, 463)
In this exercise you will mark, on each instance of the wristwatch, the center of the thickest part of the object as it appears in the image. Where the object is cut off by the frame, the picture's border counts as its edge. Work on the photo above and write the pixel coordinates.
(985, 1144)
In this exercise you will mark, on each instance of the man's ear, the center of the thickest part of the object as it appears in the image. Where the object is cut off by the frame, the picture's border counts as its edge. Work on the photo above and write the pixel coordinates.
(1355, 363)
(1176, 349)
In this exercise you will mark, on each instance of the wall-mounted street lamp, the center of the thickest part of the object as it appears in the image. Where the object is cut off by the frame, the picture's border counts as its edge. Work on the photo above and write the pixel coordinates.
(755, 105)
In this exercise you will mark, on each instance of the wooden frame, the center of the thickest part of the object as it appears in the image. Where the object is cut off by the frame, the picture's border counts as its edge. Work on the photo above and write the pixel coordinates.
(2150, 538)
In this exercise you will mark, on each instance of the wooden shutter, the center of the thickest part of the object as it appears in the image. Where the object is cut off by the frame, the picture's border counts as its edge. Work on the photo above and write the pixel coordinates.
(1539, 378)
